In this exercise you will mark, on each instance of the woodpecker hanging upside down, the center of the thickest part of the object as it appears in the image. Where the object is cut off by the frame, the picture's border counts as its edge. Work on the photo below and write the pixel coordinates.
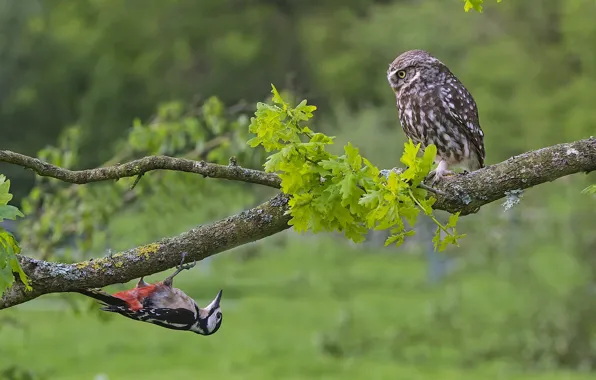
(162, 304)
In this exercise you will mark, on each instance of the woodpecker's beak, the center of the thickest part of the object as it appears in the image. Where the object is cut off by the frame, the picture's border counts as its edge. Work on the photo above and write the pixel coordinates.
(215, 303)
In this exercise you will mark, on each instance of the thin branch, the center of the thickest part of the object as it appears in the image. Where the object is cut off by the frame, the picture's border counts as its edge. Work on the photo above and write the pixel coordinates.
(139, 167)
(465, 193)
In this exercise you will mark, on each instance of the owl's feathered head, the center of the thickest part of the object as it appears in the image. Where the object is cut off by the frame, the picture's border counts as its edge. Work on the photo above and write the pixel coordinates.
(405, 68)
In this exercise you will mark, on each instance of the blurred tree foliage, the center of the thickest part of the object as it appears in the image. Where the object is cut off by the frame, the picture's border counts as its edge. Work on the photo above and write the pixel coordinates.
(64, 216)
(99, 64)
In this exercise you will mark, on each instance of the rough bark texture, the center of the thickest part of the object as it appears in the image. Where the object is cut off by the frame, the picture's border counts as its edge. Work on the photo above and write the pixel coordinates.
(464, 193)
(467, 193)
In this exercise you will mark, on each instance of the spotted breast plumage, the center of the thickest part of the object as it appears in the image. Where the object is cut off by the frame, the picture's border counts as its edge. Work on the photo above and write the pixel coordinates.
(436, 108)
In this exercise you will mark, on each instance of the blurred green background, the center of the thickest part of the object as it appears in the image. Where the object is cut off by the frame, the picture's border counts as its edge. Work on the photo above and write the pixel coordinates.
(92, 82)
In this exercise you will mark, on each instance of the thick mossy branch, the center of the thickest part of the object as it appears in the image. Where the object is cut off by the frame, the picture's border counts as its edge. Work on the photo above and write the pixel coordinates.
(467, 193)
(140, 167)
(201, 242)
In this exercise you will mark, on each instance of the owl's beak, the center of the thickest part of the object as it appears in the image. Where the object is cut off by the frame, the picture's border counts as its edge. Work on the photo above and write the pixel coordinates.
(215, 303)
(390, 76)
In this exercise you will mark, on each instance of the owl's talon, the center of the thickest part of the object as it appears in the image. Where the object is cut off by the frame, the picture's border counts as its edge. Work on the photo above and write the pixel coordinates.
(440, 172)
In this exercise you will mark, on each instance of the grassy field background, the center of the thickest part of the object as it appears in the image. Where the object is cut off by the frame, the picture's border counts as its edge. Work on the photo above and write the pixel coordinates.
(314, 309)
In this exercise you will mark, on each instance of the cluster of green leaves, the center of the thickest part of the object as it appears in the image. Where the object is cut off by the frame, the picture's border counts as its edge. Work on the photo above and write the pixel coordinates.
(474, 4)
(344, 193)
(9, 247)
(74, 218)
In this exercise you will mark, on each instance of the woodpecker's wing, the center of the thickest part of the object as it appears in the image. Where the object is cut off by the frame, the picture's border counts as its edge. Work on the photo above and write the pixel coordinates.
(103, 297)
(175, 319)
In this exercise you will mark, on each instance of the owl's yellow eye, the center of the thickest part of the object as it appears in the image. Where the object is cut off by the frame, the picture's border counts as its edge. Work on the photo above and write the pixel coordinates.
(401, 74)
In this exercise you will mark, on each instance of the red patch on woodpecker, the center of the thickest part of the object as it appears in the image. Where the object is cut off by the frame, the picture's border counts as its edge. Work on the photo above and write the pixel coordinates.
(134, 297)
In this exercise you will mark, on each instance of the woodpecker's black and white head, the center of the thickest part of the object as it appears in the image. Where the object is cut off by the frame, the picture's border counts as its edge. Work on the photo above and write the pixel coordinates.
(209, 318)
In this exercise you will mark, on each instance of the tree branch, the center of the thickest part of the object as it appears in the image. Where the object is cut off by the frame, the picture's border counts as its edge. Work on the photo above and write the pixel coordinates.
(467, 193)
(201, 242)
(140, 167)
(464, 193)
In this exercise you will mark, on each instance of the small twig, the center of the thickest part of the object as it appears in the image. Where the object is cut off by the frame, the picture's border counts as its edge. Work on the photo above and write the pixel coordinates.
(432, 190)
(137, 180)
(434, 219)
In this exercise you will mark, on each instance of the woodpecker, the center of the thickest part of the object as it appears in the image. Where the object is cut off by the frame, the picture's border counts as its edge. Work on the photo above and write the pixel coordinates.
(162, 304)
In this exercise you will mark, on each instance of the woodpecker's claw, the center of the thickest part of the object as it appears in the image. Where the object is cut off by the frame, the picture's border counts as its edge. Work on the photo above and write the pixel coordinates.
(181, 267)
(188, 266)
(141, 283)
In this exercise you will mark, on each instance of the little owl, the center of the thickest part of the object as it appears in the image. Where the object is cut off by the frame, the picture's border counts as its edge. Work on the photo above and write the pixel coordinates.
(436, 108)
